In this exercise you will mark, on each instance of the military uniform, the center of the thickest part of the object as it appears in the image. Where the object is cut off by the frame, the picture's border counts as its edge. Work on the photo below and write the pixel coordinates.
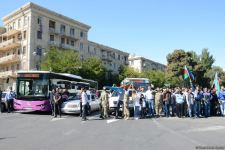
(126, 105)
(158, 102)
(104, 103)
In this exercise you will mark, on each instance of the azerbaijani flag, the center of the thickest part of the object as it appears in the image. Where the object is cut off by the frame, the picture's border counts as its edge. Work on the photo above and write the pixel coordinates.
(188, 74)
(216, 84)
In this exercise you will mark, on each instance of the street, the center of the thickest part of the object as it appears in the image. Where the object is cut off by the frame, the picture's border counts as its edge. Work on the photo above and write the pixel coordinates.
(37, 131)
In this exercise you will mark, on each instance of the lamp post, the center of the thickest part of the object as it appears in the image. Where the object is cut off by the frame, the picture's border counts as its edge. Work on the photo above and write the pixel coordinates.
(39, 52)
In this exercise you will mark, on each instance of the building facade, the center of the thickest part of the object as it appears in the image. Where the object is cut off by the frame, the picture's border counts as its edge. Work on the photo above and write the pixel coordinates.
(141, 64)
(29, 32)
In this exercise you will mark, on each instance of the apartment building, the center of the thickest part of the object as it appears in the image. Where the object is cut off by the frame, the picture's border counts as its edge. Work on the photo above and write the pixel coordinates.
(141, 64)
(29, 32)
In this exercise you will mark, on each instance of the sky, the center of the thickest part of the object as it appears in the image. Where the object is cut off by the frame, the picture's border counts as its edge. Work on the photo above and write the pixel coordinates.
(149, 28)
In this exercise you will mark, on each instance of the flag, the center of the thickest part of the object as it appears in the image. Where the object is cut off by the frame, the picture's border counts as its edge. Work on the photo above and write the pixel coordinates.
(188, 74)
(216, 84)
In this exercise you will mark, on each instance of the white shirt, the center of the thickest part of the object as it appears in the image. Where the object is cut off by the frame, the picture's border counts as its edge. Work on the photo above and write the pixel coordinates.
(136, 100)
(84, 98)
(149, 95)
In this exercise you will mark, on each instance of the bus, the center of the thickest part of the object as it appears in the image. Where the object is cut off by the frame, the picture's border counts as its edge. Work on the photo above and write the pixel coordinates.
(33, 87)
(136, 83)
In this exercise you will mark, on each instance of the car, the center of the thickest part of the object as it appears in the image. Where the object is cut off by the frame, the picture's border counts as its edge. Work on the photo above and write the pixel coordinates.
(72, 105)
(3, 102)
(116, 96)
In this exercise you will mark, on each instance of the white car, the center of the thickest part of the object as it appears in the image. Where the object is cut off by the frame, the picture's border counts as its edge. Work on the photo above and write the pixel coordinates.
(72, 106)
(116, 96)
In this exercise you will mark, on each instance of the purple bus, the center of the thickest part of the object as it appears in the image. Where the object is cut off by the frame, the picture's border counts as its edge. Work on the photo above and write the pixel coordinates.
(32, 92)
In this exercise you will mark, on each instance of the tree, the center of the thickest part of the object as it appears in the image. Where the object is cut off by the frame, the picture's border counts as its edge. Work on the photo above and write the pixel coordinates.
(128, 72)
(93, 68)
(204, 65)
(176, 62)
(211, 74)
(60, 60)
(156, 77)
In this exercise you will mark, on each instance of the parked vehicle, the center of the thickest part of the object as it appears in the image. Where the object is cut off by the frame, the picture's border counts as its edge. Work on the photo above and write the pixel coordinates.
(117, 94)
(3, 102)
(72, 105)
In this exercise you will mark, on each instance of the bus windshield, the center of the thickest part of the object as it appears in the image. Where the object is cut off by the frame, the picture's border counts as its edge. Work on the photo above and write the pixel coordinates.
(32, 87)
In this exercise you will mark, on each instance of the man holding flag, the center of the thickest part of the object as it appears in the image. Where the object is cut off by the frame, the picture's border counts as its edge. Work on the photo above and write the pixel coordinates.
(220, 93)
(189, 74)
(221, 98)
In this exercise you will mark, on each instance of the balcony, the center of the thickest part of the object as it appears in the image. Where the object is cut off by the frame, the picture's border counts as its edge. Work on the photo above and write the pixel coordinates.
(6, 74)
(52, 43)
(9, 44)
(53, 30)
(66, 46)
(9, 59)
(10, 33)
(107, 58)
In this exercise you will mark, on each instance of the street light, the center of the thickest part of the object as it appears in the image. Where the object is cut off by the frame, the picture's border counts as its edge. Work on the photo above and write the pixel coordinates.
(40, 53)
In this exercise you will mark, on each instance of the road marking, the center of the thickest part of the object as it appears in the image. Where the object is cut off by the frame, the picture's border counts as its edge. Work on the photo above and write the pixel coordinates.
(57, 119)
(112, 120)
(176, 133)
(205, 129)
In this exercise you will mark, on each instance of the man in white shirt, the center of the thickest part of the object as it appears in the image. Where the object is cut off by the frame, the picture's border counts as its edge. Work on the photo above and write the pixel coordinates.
(10, 95)
(84, 100)
(150, 98)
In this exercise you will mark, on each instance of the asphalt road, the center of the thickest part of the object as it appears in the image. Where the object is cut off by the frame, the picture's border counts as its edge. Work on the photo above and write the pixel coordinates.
(34, 131)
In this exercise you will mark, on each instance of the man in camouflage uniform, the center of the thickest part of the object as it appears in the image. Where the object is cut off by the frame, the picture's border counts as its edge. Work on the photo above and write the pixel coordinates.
(158, 101)
(126, 105)
(104, 99)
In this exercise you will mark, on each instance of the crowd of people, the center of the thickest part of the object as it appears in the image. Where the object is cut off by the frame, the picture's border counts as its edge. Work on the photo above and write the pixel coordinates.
(158, 102)
(168, 102)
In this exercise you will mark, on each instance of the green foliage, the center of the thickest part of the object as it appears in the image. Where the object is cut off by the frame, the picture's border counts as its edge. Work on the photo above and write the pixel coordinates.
(156, 77)
(211, 74)
(127, 72)
(198, 64)
(68, 61)
(60, 60)
(92, 68)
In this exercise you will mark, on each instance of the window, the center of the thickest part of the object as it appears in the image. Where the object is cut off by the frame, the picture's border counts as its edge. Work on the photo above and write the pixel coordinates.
(62, 40)
(72, 31)
(14, 25)
(95, 50)
(51, 24)
(132, 62)
(72, 42)
(81, 34)
(18, 52)
(118, 57)
(25, 20)
(18, 67)
(125, 58)
(62, 28)
(24, 35)
(81, 46)
(24, 50)
(39, 35)
(39, 20)
(19, 23)
(19, 36)
(88, 49)
(67, 41)
(52, 38)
